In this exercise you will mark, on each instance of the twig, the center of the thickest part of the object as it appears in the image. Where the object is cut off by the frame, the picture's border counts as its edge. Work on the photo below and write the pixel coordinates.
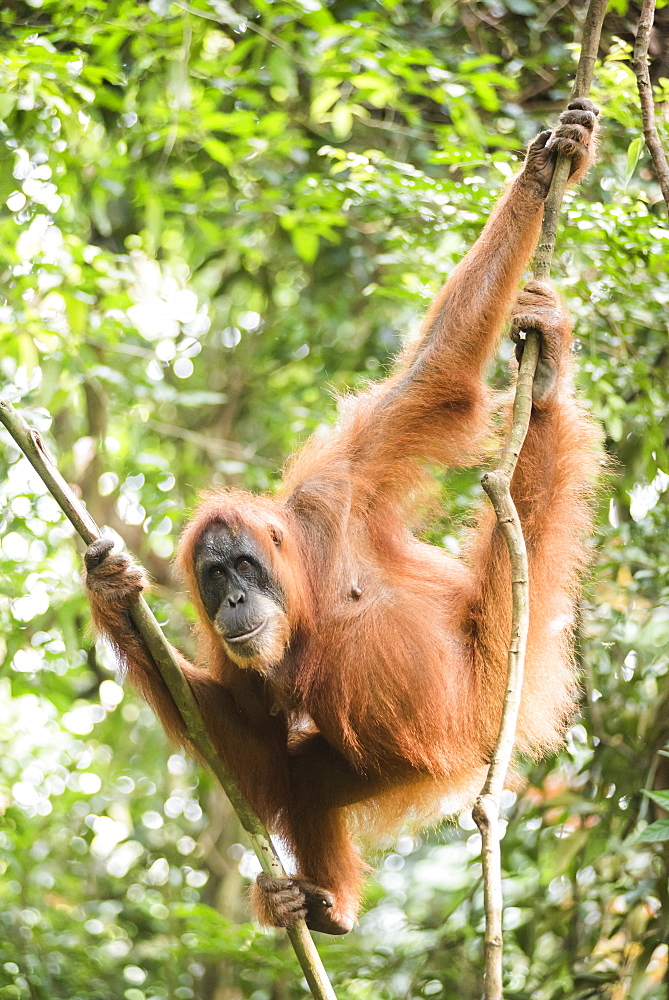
(219, 448)
(497, 484)
(653, 142)
(31, 444)
(241, 23)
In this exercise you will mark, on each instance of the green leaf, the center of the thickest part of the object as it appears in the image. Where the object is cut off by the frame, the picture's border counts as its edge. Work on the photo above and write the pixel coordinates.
(661, 798)
(342, 120)
(218, 151)
(655, 832)
(633, 154)
(323, 102)
(283, 72)
(7, 102)
(77, 314)
(305, 242)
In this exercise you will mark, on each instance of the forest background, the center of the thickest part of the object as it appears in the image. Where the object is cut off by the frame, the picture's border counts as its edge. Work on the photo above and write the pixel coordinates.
(212, 214)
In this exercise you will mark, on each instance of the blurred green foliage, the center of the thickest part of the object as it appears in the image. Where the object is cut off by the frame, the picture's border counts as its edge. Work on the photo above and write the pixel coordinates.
(213, 214)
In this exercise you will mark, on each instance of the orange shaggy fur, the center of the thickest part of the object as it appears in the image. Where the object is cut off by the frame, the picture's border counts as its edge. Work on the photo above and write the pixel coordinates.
(383, 695)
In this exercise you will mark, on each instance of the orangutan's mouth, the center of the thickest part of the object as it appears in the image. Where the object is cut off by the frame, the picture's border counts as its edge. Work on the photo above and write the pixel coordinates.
(245, 636)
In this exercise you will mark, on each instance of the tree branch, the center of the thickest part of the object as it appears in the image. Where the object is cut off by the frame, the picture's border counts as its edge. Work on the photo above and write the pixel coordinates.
(653, 142)
(31, 444)
(497, 484)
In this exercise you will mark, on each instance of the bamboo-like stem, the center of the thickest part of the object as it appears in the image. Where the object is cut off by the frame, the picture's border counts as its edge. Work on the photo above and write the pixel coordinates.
(31, 444)
(497, 484)
(650, 133)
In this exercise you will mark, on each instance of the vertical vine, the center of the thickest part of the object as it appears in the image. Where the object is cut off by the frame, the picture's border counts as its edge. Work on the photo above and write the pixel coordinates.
(497, 485)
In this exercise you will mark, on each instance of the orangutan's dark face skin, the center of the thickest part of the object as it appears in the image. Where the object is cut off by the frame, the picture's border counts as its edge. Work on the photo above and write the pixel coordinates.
(241, 597)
